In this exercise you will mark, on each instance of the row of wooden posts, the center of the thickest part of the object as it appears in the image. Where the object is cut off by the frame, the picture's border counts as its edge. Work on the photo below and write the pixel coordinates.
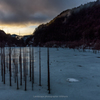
(6, 66)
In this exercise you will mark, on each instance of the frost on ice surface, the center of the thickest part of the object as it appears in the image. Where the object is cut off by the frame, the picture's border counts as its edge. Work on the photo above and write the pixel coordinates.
(74, 75)
(72, 80)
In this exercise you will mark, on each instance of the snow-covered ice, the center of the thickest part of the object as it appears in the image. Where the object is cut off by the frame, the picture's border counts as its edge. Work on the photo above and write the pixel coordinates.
(74, 75)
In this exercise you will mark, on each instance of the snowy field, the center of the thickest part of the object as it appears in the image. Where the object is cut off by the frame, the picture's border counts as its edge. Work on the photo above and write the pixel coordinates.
(74, 75)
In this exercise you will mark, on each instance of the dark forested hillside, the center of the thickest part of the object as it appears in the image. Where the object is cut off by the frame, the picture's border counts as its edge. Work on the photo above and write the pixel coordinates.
(8, 40)
(77, 26)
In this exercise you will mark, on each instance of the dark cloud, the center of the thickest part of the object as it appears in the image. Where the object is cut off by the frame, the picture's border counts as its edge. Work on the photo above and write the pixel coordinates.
(36, 11)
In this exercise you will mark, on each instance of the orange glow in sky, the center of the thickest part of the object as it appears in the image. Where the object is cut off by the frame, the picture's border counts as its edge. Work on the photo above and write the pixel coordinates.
(19, 30)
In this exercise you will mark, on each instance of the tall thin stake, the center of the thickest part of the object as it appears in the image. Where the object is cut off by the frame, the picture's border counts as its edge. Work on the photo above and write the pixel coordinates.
(20, 61)
(32, 67)
(17, 74)
(10, 65)
(30, 63)
(48, 69)
(39, 66)
(4, 64)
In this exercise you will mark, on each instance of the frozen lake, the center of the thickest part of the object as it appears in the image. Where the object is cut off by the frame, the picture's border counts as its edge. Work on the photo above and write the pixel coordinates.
(74, 75)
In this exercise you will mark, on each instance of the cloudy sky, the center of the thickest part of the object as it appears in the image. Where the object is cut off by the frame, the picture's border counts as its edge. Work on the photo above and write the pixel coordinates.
(23, 16)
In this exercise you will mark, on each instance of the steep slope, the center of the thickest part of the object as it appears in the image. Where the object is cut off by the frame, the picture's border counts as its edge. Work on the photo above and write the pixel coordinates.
(75, 26)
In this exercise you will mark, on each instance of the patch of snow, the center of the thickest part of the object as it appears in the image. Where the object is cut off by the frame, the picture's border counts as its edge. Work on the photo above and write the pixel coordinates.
(90, 4)
(65, 14)
(72, 80)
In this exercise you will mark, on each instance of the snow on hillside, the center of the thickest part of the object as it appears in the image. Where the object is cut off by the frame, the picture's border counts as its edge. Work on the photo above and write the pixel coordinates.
(90, 4)
(67, 13)
(75, 75)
